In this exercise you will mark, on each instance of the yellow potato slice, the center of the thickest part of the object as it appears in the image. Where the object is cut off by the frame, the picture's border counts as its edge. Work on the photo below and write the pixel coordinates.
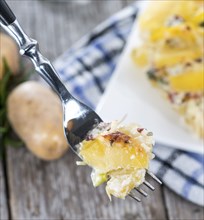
(190, 81)
(103, 156)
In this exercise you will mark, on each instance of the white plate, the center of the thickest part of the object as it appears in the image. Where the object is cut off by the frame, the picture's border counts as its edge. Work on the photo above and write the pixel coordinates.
(130, 93)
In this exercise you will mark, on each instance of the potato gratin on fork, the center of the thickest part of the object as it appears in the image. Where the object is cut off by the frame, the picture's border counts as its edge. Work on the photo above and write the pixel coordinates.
(119, 155)
(172, 51)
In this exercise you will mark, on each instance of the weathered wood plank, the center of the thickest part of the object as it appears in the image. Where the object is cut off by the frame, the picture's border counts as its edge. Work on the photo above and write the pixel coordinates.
(178, 208)
(58, 24)
(3, 199)
(60, 190)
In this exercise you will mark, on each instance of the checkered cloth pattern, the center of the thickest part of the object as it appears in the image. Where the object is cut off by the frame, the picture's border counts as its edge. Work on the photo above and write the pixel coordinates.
(86, 69)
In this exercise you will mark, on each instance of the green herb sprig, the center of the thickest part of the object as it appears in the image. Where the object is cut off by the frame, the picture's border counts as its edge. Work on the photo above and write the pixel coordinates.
(202, 24)
(7, 83)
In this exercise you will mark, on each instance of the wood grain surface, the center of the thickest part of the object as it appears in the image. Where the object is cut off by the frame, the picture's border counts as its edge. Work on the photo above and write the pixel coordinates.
(3, 197)
(59, 190)
(178, 208)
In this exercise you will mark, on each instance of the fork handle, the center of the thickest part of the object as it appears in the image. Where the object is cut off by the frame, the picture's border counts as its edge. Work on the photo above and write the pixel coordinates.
(6, 13)
(29, 48)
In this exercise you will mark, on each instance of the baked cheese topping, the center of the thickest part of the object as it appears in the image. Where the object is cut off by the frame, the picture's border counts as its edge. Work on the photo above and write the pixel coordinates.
(119, 155)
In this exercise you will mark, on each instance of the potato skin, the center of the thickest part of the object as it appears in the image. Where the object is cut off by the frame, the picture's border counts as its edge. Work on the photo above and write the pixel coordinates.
(8, 51)
(35, 113)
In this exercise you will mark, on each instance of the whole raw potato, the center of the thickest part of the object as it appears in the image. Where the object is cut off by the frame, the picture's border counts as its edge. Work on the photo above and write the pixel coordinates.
(35, 114)
(9, 52)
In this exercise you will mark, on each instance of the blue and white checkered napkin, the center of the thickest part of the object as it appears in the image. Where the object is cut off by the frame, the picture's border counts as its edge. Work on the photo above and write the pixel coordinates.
(86, 69)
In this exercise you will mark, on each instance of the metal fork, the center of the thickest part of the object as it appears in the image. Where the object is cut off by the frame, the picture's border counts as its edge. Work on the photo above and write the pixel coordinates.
(79, 119)
(147, 184)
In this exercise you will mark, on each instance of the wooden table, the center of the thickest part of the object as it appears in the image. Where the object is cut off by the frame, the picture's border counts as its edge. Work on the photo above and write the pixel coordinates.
(34, 189)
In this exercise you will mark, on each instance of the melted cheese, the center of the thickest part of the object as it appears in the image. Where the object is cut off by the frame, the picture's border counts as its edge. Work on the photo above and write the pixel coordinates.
(118, 155)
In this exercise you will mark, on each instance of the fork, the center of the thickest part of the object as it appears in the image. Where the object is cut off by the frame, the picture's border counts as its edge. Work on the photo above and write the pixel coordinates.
(79, 119)
(147, 184)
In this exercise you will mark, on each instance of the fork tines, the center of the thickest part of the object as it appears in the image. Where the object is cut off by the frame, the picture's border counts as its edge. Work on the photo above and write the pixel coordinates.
(134, 197)
(141, 191)
(154, 177)
(149, 185)
(146, 183)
